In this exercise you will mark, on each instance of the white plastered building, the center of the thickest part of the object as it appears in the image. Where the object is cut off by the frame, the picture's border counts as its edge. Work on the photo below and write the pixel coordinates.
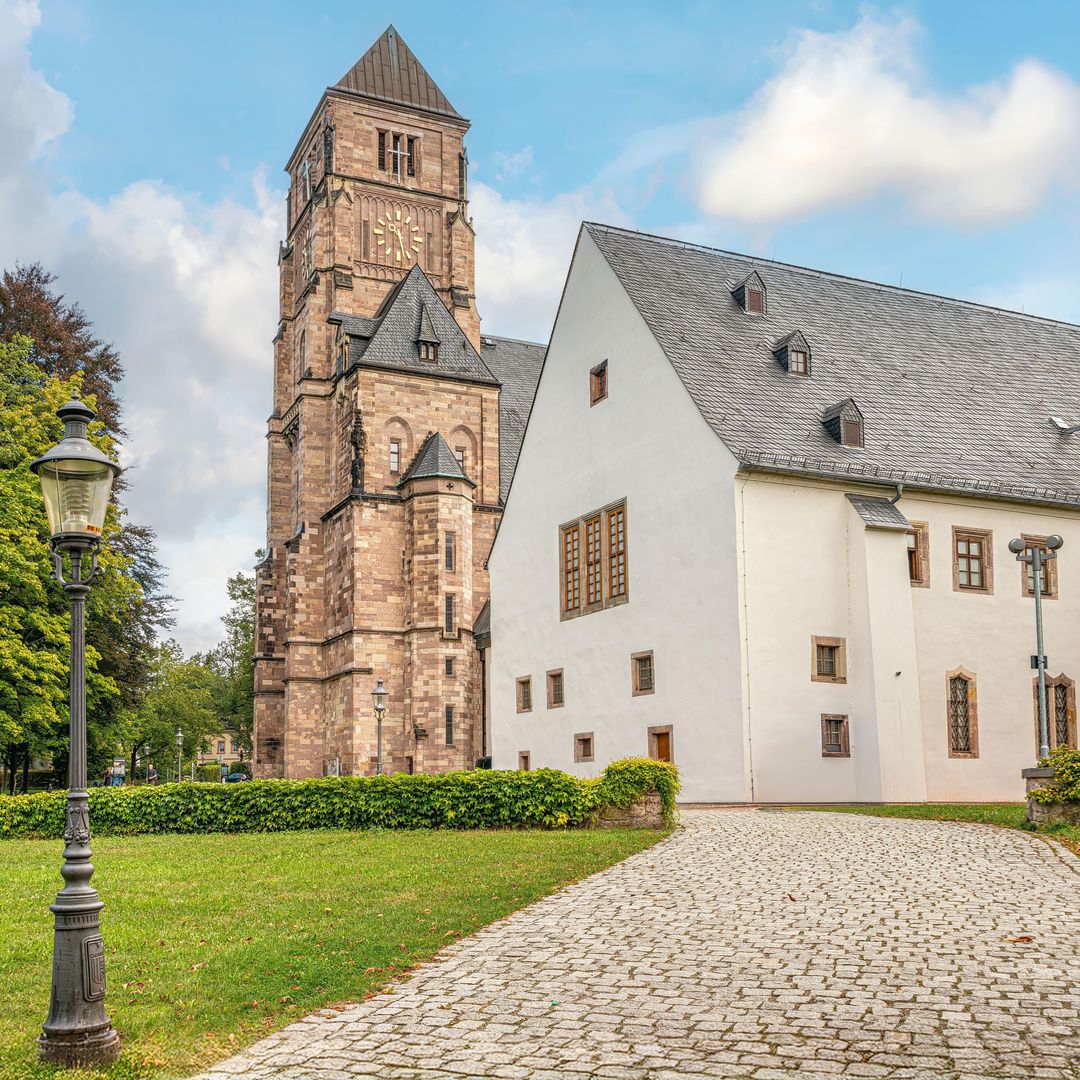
(759, 525)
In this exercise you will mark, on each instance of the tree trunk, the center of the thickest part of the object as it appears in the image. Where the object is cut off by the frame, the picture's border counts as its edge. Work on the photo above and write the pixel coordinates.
(26, 771)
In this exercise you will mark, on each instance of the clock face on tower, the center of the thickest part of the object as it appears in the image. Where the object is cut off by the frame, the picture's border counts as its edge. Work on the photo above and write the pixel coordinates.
(398, 237)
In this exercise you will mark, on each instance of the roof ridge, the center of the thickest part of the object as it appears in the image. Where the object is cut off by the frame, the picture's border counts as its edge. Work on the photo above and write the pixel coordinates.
(755, 260)
(515, 340)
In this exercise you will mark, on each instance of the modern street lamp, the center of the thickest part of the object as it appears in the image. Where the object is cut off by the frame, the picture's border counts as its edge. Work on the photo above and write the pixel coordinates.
(379, 694)
(1036, 559)
(76, 479)
(179, 753)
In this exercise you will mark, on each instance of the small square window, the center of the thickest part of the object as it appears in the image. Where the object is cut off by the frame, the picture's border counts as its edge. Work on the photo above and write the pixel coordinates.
(524, 760)
(642, 673)
(449, 668)
(851, 433)
(598, 383)
(555, 689)
(429, 350)
(524, 694)
(828, 658)
(834, 736)
(798, 362)
(755, 302)
(583, 747)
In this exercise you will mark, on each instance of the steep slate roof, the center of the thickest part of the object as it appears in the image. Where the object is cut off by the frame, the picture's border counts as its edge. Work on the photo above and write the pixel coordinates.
(434, 458)
(943, 385)
(516, 364)
(391, 338)
(879, 513)
(389, 71)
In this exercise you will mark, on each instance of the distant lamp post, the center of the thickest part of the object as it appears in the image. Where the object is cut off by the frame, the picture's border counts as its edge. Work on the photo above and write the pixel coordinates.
(76, 479)
(1036, 559)
(179, 753)
(379, 694)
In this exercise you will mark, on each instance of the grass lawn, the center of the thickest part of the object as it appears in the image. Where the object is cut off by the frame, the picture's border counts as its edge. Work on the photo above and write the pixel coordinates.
(1009, 815)
(214, 941)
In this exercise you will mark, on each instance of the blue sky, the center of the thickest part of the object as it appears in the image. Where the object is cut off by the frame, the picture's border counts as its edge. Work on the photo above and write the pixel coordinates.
(933, 144)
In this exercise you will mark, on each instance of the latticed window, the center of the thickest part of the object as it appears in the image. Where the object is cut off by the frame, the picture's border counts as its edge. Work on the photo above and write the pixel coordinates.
(826, 660)
(555, 689)
(960, 740)
(834, 736)
(1061, 715)
(571, 568)
(642, 670)
(593, 577)
(524, 694)
(617, 551)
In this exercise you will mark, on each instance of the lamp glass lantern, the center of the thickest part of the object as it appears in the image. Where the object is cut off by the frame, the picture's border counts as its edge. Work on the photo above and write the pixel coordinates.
(379, 696)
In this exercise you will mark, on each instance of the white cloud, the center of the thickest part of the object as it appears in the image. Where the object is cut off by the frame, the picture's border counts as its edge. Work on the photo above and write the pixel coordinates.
(511, 166)
(187, 292)
(848, 117)
(523, 249)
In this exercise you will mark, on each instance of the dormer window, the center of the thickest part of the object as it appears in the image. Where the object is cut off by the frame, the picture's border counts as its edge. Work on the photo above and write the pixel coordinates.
(844, 422)
(750, 294)
(429, 350)
(793, 354)
(427, 341)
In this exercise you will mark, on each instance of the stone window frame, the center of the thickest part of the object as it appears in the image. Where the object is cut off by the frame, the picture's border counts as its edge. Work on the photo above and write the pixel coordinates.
(920, 530)
(448, 666)
(448, 724)
(1072, 730)
(598, 383)
(1050, 568)
(637, 690)
(845, 736)
(972, 713)
(524, 761)
(584, 746)
(523, 693)
(449, 619)
(986, 537)
(575, 565)
(556, 673)
(839, 675)
(652, 733)
(450, 551)
(394, 462)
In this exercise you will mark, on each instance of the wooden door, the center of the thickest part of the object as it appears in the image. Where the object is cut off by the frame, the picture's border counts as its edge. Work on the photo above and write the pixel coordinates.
(662, 746)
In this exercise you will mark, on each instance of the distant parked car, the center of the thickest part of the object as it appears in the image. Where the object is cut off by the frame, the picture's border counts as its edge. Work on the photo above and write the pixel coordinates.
(236, 777)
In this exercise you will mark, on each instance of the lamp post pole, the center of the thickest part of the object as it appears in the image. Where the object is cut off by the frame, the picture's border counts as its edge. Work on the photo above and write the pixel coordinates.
(379, 694)
(76, 479)
(179, 753)
(1037, 558)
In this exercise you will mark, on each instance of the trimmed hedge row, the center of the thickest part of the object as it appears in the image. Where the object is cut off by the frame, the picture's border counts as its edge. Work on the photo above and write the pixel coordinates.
(484, 799)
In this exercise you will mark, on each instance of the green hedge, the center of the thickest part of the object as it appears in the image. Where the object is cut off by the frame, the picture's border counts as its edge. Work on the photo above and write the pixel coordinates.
(1065, 787)
(483, 799)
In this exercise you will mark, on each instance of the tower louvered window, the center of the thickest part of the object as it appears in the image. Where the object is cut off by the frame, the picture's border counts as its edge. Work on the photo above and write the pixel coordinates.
(410, 156)
(382, 151)
(593, 579)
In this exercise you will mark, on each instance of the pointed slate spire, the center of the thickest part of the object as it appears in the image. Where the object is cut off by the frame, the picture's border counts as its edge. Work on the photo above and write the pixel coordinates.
(434, 458)
(427, 331)
(389, 71)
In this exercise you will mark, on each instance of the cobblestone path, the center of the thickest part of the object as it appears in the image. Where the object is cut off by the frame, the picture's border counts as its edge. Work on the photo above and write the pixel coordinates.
(750, 944)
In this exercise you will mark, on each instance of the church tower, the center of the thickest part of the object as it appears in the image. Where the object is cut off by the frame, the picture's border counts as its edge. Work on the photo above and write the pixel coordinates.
(384, 485)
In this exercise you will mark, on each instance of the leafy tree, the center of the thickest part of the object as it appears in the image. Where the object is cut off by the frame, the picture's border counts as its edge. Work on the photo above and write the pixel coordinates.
(34, 623)
(62, 339)
(233, 661)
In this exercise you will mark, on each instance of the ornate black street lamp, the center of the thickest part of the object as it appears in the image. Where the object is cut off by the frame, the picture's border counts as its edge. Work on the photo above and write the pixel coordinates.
(1036, 559)
(76, 479)
(379, 694)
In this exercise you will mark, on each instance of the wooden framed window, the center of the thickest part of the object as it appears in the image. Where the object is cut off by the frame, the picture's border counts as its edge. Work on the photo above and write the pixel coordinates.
(448, 724)
(1048, 584)
(594, 589)
(448, 613)
(598, 383)
(642, 673)
(429, 350)
(918, 555)
(448, 551)
(798, 362)
(755, 301)
(1060, 711)
(661, 746)
(973, 565)
(851, 433)
(524, 694)
(828, 659)
(524, 760)
(571, 568)
(449, 665)
(834, 736)
(583, 746)
(555, 691)
(395, 455)
(962, 713)
(593, 566)
(617, 551)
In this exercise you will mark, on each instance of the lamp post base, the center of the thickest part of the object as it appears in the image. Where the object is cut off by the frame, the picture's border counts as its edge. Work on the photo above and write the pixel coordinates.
(80, 1048)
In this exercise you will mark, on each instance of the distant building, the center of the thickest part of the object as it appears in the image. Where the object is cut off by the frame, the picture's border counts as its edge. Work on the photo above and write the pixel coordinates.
(759, 526)
(225, 747)
(391, 443)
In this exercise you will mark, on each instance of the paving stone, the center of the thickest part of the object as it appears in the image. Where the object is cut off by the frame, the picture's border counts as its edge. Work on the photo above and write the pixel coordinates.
(690, 960)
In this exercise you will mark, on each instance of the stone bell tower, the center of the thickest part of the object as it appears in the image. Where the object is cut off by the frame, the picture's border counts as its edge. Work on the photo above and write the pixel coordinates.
(384, 469)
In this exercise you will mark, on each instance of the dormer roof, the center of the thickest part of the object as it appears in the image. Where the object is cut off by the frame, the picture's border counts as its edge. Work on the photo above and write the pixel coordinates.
(434, 458)
(426, 333)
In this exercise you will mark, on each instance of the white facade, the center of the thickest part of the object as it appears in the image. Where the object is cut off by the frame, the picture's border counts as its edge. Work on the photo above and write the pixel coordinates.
(731, 575)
